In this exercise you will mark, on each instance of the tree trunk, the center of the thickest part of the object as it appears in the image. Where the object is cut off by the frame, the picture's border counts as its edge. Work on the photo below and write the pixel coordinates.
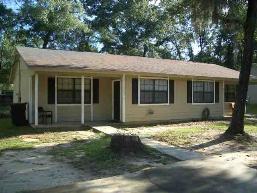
(237, 122)
(46, 39)
(145, 50)
(126, 143)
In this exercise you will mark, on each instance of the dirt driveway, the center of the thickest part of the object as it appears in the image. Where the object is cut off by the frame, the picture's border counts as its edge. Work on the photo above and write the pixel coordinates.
(34, 169)
(42, 159)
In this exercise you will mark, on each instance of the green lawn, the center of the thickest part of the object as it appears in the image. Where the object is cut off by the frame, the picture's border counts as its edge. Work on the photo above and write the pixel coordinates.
(9, 136)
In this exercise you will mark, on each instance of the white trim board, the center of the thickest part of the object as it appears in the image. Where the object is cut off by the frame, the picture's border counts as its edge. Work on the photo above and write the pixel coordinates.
(213, 81)
(154, 78)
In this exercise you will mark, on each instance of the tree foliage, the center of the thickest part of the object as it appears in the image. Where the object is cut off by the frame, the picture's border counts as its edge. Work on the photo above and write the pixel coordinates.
(198, 30)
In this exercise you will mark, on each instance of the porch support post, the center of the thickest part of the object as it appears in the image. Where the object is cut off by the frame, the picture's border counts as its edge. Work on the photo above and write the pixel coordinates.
(123, 98)
(92, 102)
(30, 99)
(55, 100)
(36, 99)
(82, 100)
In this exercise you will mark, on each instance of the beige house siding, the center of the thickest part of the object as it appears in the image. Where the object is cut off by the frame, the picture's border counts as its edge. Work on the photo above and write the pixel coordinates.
(177, 111)
(101, 111)
(21, 69)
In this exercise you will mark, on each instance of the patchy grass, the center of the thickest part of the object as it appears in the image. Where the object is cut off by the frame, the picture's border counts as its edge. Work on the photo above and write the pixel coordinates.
(191, 135)
(15, 144)
(12, 137)
(179, 136)
(251, 108)
(8, 136)
(250, 127)
(97, 157)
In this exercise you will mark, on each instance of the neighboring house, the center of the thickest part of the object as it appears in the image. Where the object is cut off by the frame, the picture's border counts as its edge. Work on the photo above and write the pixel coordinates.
(86, 86)
(252, 89)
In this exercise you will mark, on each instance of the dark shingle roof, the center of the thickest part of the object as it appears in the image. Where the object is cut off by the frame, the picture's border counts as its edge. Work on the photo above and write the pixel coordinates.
(46, 58)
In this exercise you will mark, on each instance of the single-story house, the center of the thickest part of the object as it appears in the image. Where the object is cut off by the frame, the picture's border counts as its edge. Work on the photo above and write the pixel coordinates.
(86, 86)
(252, 89)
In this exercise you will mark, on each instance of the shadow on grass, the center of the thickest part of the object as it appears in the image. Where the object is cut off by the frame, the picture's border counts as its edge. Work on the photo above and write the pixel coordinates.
(95, 157)
(99, 157)
(197, 176)
(241, 139)
(91, 158)
(160, 123)
(220, 139)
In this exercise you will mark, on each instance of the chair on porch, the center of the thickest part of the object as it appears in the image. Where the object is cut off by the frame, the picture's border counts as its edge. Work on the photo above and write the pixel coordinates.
(44, 115)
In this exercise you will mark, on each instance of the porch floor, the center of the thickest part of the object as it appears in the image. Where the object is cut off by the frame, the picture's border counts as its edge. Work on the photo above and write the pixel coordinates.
(71, 124)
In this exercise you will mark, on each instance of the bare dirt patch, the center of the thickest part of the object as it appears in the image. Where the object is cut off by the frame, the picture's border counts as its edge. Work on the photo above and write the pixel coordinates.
(61, 158)
(35, 168)
(97, 158)
(206, 138)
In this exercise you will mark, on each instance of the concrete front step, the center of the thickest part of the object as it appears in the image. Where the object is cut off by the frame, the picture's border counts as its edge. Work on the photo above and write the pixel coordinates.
(108, 130)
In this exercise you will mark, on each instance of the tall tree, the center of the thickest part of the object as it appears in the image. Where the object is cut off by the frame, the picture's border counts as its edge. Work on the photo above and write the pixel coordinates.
(144, 28)
(7, 42)
(49, 20)
(220, 10)
(237, 122)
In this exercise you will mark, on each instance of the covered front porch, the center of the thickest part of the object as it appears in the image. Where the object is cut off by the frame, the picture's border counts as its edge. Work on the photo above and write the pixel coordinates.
(75, 99)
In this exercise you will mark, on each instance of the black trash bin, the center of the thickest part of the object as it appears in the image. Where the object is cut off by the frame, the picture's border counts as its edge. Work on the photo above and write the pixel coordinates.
(18, 114)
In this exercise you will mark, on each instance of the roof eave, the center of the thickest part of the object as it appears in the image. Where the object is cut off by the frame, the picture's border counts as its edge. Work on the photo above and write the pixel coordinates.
(104, 71)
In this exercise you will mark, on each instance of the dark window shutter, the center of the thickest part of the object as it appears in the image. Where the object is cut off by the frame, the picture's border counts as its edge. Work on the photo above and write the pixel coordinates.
(95, 91)
(134, 91)
(217, 92)
(189, 91)
(51, 90)
(171, 89)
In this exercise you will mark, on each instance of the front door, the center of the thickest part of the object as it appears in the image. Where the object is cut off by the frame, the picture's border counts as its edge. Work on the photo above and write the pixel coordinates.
(116, 100)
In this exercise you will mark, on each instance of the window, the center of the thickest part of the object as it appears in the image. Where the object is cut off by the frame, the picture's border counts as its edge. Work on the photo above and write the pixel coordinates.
(153, 91)
(203, 92)
(69, 91)
(230, 93)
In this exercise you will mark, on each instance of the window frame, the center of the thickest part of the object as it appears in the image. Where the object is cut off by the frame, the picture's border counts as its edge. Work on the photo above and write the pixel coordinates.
(73, 104)
(212, 81)
(153, 78)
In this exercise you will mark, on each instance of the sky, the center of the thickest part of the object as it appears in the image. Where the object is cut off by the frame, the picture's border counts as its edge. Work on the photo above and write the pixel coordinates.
(12, 4)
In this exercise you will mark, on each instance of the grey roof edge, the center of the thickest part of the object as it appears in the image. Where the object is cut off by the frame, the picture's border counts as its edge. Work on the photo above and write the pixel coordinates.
(67, 69)
(79, 70)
